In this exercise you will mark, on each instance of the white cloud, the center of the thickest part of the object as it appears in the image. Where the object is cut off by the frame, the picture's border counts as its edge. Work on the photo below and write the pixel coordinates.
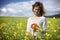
(4, 10)
(18, 9)
(25, 8)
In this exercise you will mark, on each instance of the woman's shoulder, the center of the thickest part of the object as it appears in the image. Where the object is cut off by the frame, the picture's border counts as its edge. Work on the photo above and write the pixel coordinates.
(43, 17)
(29, 18)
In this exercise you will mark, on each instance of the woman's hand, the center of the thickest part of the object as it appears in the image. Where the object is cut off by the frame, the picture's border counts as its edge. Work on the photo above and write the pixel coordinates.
(33, 26)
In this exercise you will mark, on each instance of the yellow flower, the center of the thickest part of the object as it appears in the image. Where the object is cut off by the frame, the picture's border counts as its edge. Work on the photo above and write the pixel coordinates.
(7, 36)
(41, 39)
(19, 25)
(27, 34)
(49, 22)
(15, 33)
(54, 18)
(22, 30)
(10, 38)
(55, 30)
(4, 32)
(26, 38)
(39, 30)
(2, 25)
(47, 34)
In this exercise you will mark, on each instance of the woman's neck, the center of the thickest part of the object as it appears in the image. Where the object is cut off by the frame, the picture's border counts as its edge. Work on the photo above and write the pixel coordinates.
(36, 16)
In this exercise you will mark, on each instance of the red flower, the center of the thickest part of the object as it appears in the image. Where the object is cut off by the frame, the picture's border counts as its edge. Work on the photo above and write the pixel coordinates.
(33, 26)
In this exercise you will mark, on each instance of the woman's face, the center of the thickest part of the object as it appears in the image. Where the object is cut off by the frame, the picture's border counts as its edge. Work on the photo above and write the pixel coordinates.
(36, 11)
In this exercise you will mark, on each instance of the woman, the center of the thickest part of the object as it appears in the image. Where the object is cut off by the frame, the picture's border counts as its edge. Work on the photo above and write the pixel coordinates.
(38, 19)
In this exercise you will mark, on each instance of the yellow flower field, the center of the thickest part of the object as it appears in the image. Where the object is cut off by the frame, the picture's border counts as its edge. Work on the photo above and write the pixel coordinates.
(14, 28)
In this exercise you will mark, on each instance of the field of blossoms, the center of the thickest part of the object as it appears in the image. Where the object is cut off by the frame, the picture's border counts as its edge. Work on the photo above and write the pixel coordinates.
(14, 28)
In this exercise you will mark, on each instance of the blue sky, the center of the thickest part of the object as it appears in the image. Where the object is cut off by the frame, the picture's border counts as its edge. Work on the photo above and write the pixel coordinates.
(5, 2)
(23, 8)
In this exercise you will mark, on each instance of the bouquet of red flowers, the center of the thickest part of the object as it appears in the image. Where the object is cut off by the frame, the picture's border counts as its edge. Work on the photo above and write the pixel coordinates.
(33, 26)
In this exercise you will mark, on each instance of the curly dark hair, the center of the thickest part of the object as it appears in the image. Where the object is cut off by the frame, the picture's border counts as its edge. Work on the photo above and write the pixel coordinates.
(40, 5)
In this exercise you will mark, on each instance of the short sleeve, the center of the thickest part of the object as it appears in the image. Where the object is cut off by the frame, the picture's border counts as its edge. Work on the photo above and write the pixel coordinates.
(44, 23)
(28, 25)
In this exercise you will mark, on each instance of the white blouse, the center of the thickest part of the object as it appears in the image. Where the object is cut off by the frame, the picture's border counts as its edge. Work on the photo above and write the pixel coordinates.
(41, 23)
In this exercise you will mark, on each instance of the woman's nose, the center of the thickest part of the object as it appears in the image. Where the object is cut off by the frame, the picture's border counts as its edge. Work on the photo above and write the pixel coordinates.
(36, 10)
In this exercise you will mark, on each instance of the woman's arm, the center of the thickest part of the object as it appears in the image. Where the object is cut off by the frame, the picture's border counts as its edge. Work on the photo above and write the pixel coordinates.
(44, 25)
(28, 25)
